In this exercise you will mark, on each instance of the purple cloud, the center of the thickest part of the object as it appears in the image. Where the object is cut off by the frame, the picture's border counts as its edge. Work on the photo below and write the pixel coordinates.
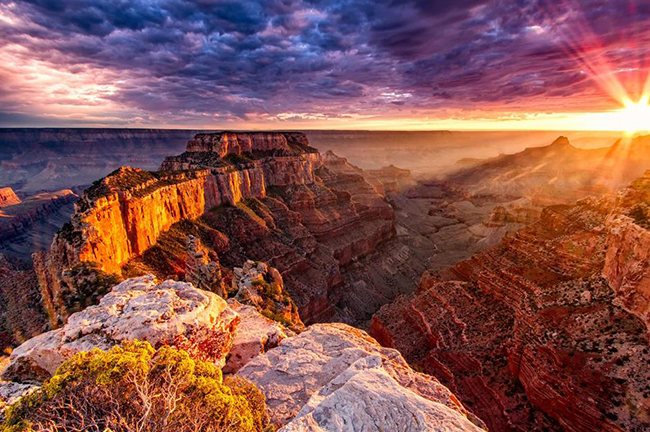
(219, 61)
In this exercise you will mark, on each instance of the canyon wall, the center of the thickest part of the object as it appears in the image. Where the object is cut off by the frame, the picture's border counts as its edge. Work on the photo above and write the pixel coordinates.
(8, 197)
(529, 334)
(225, 143)
(124, 214)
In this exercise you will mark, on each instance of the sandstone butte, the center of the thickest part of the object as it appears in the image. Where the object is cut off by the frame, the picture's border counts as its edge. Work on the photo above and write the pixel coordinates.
(325, 379)
(263, 196)
(548, 330)
(8, 197)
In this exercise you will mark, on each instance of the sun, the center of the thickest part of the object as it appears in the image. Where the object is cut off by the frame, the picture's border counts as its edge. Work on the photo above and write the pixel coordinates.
(635, 116)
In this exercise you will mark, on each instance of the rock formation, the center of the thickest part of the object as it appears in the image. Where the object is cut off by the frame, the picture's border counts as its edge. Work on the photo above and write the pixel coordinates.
(255, 335)
(333, 376)
(28, 226)
(529, 334)
(261, 286)
(21, 312)
(172, 313)
(124, 214)
(8, 197)
(201, 270)
(259, 196)
(225, 143)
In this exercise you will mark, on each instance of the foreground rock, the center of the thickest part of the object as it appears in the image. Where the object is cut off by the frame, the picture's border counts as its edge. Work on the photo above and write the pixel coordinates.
(334, 377)
(255, 335)
(173, 313)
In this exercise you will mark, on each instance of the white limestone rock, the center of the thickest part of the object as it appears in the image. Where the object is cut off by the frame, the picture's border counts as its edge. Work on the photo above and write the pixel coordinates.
(173, 313)
(255, 335)
(333, 377)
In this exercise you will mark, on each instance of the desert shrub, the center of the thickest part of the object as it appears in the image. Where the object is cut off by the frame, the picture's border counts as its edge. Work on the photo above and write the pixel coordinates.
(135, 388)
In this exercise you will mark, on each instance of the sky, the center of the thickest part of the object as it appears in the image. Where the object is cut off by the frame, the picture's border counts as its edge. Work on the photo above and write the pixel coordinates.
(325, 64)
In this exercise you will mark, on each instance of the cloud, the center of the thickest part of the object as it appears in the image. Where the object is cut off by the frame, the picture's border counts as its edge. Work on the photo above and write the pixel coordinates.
(225, 61)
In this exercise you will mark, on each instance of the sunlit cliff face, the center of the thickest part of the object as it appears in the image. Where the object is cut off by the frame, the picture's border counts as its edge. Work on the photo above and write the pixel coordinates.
(471, 64)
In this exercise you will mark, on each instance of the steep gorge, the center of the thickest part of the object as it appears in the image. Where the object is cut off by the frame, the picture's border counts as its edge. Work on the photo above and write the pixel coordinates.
(261, 196)
(547, 330)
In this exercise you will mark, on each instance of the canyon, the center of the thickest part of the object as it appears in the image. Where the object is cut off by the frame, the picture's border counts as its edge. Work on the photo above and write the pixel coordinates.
(548, 329)
(530, 313)
(261, 196)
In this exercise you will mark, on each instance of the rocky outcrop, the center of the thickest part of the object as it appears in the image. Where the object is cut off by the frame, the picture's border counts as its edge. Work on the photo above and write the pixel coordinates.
(202, 270)
(8, 197)
(171, 313)
(332, 376)
(255, 335)
(528, 334)
(123, 215)
(261, 286)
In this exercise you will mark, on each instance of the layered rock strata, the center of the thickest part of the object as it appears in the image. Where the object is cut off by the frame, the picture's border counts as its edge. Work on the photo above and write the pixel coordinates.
(170, 313)
(124, 214)
(529, 334)
(25, 225)
(8, 197)
(333, 377)
(266, 197)
(21, 312)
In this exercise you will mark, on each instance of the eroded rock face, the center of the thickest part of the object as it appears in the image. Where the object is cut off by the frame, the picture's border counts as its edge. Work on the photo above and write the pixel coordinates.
(627, 264)
(28, 225)
(529, 334)
(202, 270)
(8, 197)
(333, 374)
(172, 313)
(225, 143)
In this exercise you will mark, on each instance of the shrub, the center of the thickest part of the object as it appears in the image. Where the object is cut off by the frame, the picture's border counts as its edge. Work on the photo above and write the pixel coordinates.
(135, 388)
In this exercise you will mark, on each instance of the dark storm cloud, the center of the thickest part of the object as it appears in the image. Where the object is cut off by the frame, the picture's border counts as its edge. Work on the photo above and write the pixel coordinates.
(264, 57)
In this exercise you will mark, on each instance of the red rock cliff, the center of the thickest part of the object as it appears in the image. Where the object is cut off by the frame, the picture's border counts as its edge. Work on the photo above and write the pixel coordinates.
(8, 197)
(124, 214)
(529, 334)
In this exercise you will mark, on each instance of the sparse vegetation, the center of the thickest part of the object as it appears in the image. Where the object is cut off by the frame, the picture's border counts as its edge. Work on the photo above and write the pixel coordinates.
(277, 304)
(84, 285)
(134, 387)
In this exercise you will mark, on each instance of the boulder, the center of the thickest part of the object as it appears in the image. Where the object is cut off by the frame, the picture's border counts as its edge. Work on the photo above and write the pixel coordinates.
(173, 313)
(334, 377)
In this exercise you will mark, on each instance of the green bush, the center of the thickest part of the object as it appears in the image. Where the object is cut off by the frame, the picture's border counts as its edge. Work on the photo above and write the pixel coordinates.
(134, 387)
